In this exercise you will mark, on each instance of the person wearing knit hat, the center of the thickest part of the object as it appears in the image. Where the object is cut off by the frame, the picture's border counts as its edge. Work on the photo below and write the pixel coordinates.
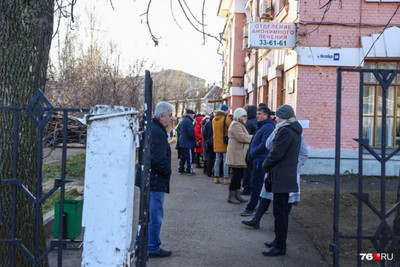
(239, 141)
(239, 112)
(285, 112)
(279, 165)
(224, 107)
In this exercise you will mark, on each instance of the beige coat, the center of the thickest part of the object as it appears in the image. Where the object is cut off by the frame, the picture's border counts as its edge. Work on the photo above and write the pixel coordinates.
(239, 140)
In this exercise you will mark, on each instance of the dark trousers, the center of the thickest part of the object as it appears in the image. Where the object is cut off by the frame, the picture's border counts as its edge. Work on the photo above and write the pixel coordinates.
(237, 174)
(209, 162)
(262, 208)
(281, 215)
(186, 158)
(257, 180)
(247, 179)
(197, 157)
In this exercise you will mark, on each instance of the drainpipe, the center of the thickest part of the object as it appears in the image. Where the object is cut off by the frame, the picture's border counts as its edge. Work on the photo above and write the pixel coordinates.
(256, 59)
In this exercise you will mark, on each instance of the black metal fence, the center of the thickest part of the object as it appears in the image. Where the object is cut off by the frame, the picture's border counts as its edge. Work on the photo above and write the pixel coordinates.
(384, 240)
(54, 127)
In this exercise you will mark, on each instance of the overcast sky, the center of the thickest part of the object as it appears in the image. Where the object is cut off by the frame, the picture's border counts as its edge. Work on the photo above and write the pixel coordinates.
(180, 47)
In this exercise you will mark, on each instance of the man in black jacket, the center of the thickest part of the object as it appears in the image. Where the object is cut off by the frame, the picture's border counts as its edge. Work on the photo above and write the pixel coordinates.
(159, 176)
(281, 164)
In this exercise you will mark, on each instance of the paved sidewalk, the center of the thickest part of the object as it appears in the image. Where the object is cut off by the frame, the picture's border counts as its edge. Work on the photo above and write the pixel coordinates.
(203, 229)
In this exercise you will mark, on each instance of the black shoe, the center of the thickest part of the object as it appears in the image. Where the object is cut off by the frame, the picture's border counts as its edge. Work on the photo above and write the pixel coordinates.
(245, 193)
(181, 171)
(160, 253)
(253, 223)
(274, 252)
(190, 173)
(269, 244)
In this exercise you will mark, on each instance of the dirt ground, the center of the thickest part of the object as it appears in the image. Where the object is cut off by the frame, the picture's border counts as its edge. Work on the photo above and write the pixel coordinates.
(316, 209)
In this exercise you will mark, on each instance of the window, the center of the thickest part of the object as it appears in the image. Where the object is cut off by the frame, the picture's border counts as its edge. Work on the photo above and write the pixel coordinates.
(372, 107)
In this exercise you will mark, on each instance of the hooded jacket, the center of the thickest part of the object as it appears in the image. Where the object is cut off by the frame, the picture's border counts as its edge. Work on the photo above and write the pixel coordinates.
(281, 162)
(218, 130)
(197, 131)
(251, 123)
(208, 140)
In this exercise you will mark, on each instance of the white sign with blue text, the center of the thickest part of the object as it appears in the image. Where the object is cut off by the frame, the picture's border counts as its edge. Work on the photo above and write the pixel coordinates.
(327, 56)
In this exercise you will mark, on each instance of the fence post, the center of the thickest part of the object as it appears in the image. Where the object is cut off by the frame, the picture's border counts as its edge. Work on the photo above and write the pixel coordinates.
(109, 186)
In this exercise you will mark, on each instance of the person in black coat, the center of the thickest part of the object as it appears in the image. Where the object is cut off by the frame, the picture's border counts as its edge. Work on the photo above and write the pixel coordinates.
(251, 126)
(187, 141)
(281, 166)
(208, 144)
(159, 176)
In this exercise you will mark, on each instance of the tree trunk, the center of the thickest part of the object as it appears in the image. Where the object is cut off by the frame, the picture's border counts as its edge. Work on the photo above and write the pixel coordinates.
(26, 28)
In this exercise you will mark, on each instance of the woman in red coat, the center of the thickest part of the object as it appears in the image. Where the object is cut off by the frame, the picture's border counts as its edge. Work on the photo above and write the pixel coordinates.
(198, 150)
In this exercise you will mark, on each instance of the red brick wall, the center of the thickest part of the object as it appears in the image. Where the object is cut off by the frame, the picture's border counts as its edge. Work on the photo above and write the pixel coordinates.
(372, 16)
(316, 102)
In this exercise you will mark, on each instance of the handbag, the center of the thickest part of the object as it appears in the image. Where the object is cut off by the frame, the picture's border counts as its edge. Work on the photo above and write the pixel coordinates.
(226, 138)
(268, 182)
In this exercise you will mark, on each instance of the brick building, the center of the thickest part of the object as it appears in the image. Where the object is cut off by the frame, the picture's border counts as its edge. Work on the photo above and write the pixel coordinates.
(326, 34)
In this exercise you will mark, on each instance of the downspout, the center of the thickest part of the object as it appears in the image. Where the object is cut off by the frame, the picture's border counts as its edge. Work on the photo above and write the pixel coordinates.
(257, 18)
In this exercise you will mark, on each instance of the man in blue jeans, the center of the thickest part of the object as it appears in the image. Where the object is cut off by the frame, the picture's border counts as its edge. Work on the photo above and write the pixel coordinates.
(258, 152)
(159, 176)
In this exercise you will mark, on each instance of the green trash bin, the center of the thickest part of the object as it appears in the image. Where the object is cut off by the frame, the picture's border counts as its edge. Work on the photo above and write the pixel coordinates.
(72, 218)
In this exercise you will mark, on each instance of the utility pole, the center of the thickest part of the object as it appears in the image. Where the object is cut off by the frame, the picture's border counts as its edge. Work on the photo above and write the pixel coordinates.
(257, 16)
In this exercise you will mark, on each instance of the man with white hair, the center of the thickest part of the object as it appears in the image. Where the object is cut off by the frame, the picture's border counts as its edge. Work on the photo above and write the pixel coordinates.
(159, 176)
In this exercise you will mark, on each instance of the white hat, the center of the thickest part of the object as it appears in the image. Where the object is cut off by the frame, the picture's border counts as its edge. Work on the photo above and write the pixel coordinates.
(239, 112)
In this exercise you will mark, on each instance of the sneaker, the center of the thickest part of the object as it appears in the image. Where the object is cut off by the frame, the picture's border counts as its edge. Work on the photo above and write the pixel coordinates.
(181, 171)
(160, 253)
(246, 212)
(190, 173)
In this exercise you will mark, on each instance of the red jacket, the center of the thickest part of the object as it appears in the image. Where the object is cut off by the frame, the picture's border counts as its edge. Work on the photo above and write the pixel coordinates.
(199, 137)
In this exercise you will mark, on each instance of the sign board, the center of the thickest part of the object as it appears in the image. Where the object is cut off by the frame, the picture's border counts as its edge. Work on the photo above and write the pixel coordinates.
(328, 56)
(272, 35)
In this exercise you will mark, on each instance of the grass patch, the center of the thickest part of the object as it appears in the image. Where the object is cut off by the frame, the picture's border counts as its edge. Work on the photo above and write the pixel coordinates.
(48, 205)
(75, 168)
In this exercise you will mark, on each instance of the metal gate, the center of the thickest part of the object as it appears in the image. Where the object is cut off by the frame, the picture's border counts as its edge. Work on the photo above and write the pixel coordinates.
(41, 112)
(384, 240)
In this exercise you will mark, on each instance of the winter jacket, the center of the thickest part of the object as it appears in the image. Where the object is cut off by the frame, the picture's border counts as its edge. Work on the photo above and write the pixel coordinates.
(257, 146)
(208, 142)
(199, 137)
(160, 159)
(239, 140)
(187, 136)
(281, 163)
(251, 123)
(218, 132)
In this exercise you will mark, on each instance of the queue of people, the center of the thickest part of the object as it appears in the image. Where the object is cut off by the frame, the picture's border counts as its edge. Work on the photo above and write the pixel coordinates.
(253, 147)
